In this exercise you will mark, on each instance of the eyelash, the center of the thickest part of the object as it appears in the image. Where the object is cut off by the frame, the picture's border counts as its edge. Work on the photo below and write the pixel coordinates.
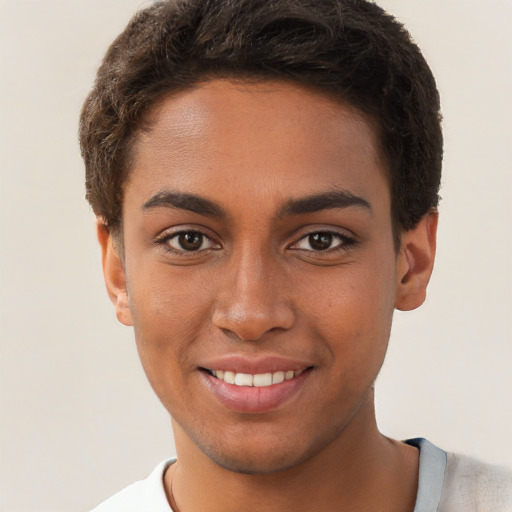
(164, 242)
(344, 242)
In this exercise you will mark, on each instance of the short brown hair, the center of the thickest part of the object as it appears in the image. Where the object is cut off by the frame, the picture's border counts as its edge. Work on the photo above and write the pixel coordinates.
(350, 48)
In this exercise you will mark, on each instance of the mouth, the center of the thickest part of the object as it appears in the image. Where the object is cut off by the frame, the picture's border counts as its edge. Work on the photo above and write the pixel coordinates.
(255, 393)
(259, 380)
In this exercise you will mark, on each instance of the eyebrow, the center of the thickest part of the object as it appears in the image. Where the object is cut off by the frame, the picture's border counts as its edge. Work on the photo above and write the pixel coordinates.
(184, 201)
(324, 201)
(337, 199)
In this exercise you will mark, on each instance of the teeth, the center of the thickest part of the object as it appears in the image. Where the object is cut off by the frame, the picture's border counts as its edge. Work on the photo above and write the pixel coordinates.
(229, 377)
(259, 380)
(277, 377)
(243, 379)
(263, 379)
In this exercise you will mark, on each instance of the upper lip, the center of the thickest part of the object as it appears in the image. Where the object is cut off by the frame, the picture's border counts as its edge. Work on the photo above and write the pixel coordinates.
(255, 365)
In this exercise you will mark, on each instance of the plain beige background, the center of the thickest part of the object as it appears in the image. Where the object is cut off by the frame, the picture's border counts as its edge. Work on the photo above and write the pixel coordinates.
(78, 420)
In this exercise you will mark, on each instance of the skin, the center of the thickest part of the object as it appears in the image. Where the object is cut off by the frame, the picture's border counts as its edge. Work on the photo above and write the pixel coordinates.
(257, 285)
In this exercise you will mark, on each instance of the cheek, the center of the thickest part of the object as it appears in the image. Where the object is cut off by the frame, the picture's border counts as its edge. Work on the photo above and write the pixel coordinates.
(169, 315)
(165, 300)
(362, 298)
(352, 312)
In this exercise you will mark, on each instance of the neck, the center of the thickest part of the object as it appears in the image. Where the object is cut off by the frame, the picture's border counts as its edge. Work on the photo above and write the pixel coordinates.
(359, 470)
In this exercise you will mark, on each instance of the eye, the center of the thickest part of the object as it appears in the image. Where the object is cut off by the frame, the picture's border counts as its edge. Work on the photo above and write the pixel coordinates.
(189, 241)
(322, 241)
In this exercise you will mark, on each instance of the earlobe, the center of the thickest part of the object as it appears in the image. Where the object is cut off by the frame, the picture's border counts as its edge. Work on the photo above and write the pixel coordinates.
(113, 272)
(415, 263)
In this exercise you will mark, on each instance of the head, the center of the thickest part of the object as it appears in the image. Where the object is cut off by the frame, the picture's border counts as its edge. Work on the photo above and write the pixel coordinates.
(271, 169)
(347, 49)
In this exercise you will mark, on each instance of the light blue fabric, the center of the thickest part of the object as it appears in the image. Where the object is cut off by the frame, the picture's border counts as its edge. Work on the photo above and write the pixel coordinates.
(431, 475)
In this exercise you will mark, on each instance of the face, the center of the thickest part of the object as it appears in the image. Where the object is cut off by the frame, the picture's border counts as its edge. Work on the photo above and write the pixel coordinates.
(259, 270)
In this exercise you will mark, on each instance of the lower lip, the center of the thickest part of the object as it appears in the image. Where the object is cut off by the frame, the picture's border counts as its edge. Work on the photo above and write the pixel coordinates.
(250, 399)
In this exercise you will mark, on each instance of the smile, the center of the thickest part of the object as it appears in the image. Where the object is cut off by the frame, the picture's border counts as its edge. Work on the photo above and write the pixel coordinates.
(259, 380)
(258, 392)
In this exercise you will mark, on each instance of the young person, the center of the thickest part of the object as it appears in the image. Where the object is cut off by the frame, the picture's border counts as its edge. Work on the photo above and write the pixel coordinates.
(265, 177)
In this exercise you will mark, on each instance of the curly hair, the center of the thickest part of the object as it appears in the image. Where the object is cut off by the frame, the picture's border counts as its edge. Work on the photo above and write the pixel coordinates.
(351, 49)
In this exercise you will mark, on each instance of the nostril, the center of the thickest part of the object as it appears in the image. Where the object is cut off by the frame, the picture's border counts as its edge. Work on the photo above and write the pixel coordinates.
(242, 335)
(253, 323)
(232, 335)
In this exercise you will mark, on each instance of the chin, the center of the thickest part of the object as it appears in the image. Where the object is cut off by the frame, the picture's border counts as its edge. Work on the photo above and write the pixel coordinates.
(255, 455)
(257, 464)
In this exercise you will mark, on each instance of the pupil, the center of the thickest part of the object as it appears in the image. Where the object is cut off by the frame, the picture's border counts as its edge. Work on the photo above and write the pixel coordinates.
(191, 241)
(320, 241)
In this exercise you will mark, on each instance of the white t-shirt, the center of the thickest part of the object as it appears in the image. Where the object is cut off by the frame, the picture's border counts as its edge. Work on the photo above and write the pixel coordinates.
(447, 483)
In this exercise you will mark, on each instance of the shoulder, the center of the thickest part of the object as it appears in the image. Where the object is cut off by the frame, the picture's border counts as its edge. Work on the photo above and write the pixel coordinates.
(148, 494)
(471, 485)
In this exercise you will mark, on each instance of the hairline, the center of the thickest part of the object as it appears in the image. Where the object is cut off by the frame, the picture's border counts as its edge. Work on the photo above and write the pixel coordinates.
(150, 117)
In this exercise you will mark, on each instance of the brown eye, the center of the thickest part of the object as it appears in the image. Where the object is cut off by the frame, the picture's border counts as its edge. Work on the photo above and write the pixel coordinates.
(320, 241)
(323, 241)
(190, 241)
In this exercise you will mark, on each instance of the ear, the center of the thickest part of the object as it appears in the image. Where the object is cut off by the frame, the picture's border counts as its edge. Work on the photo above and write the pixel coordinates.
(113, 272)
(415, 263)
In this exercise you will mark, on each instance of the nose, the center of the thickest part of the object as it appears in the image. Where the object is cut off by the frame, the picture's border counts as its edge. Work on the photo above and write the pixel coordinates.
(252, 299)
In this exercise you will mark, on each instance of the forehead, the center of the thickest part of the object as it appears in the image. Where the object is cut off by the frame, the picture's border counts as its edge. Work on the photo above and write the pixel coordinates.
(267, 139)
